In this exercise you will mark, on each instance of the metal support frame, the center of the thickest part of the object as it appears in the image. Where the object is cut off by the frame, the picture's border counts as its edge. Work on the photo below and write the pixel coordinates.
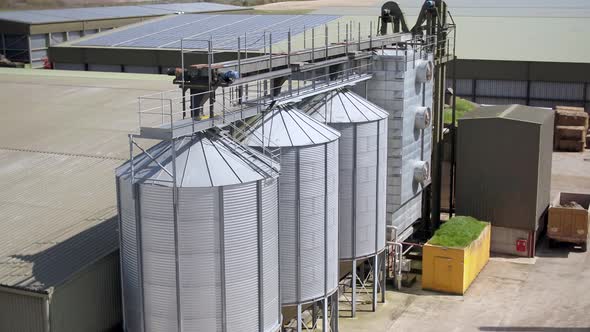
(136, 194)
(30, 51)
(586, 101)
(324, 309)
(365, 283)
(438, 30)
(453, 141)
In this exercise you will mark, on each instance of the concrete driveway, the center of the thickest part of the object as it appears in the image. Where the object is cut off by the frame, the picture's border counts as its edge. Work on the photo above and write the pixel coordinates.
(550, 292)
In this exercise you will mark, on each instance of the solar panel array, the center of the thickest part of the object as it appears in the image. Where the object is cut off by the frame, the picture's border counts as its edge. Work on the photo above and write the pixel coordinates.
(98, 13)
(223, 30)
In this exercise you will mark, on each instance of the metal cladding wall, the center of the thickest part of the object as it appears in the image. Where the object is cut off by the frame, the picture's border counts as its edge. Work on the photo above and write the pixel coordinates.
(308, 202)
(542, 84)
(227, 244)
(22, 311)
(504, 165)
(402, 85)
(363, 174)
(362, 170)
(88, 301)
(91, 301)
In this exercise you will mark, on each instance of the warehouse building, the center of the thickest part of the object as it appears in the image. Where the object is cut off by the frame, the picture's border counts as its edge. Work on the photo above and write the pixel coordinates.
(59, 261)
(514, 52)
(525, 52)
(26, 35)
(154, 46)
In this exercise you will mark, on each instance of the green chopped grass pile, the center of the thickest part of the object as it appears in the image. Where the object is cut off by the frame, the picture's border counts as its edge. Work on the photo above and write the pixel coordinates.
(463, 107)
(458, 232)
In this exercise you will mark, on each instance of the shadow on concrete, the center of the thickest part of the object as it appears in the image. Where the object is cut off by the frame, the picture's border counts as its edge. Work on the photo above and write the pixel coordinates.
(533, 329)
(558, 250)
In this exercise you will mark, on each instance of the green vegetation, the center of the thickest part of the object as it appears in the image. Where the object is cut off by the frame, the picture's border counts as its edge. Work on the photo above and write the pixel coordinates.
(458, 232)
(463, 107)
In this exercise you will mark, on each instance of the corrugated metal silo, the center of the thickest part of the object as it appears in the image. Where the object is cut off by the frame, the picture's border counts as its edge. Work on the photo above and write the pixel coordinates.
(363, 177)
(308, 202)
(221, 227)
(363, 170)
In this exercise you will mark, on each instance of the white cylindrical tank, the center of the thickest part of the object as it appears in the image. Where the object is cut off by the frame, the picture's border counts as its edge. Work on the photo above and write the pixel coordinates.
(221, 228)
(362, 167)
(308, 201)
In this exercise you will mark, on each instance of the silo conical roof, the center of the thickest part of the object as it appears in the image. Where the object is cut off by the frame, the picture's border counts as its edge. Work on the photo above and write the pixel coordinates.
(206, 159)
(345, 106)
(286, 126)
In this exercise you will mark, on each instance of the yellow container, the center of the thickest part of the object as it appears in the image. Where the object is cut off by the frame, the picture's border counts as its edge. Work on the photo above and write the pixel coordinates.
(452, 270)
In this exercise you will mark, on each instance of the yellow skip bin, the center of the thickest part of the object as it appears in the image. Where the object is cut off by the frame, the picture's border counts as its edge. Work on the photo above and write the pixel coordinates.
(452, 269)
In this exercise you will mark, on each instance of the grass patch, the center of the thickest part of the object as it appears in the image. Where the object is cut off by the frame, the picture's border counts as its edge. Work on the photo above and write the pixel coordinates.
(458, 232)
(463, 107)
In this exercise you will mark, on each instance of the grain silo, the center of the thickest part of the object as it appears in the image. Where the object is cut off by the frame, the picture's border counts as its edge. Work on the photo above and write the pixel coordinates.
(363, 177)
(199, 253)
(308, 205)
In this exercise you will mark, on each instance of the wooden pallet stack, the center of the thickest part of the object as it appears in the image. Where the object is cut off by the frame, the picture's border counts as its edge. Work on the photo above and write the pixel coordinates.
(571, 129)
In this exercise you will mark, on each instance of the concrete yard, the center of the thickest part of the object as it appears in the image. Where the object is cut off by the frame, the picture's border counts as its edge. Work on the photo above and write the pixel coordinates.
(547, 293)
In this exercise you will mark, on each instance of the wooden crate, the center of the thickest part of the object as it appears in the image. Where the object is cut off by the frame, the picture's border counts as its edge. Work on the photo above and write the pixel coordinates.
(570, 108)
(570, 146)
(570, 133)
(569, 224)
(452, 270)
(571, 118)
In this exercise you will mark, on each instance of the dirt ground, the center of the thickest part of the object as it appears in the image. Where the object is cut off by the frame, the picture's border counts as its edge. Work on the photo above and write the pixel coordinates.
(550, 292)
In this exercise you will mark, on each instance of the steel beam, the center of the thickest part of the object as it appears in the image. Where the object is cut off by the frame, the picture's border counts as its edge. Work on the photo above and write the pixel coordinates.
(383, 275)
(375, 282)
(353, 297)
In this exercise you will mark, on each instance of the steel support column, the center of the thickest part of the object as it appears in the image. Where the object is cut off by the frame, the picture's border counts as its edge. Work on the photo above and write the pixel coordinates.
(326, 316)
(353, 285)
(375, 282)
(383, 275)
(453, 142)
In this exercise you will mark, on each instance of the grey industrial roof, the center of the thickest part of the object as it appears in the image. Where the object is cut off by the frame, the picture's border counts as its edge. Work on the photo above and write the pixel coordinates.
(286, 126)
(222, 29)
(510, 112)
(63, 134)
(112, 12)
(345, 106)
(505, 30)
(204, 160)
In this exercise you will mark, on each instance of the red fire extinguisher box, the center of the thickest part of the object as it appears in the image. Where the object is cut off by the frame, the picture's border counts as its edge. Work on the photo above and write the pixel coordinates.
(521, 245)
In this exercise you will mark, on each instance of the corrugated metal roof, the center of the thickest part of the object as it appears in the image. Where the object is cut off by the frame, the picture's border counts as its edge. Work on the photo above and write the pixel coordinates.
(198, 29)
(345, 106)
(204, 160)
(286, 126)
(59, 149)
(512, 30)
(511, 112)
(112, 12)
